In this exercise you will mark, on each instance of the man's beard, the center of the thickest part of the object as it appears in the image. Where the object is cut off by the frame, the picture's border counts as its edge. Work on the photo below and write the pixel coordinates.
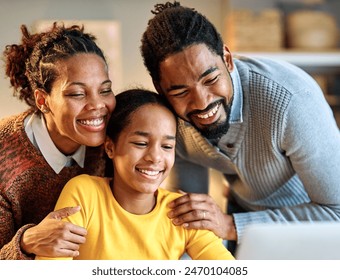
(216, 130)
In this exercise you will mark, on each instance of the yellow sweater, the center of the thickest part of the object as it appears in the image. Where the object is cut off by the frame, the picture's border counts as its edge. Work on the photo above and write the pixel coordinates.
(114, 233)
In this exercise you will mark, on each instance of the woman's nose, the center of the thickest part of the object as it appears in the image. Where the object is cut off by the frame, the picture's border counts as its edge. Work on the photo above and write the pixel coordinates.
(95, 103)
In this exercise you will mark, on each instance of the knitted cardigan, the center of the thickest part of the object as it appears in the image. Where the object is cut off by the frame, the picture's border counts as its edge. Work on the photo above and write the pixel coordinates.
(29, 188)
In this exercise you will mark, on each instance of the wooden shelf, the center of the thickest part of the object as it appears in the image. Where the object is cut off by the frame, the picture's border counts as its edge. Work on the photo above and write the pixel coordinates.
(305, 59)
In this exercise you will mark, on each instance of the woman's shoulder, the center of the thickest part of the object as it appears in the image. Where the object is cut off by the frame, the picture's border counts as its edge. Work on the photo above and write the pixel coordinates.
(12, 124)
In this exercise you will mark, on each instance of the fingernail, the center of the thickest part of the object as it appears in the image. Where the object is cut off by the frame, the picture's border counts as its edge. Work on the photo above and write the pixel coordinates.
(176, 221)
(171, 204)
(185, 225)
(171, 214)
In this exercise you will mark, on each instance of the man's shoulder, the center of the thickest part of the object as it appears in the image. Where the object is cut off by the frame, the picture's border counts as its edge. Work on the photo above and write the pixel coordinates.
(280, 72)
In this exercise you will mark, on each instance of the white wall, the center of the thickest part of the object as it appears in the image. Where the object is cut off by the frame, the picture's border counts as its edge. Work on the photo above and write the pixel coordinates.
(132, 14)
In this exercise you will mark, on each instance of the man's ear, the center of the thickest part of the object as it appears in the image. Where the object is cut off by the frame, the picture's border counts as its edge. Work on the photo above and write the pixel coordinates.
(228, 59)
(109, 147)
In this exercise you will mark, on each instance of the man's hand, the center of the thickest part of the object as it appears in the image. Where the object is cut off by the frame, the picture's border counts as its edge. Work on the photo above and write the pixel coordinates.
(53, 237)
(200, 211)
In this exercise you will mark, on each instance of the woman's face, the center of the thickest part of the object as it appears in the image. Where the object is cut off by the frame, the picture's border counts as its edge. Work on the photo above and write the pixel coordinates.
(80, 103)
(144, 152)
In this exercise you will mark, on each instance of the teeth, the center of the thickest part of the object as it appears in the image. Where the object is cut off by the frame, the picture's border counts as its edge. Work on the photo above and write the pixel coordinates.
(149, 172)
(94, 122)
(210, 114)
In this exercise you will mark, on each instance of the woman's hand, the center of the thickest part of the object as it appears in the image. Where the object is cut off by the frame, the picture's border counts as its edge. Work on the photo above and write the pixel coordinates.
(53, 237)
(200, 211)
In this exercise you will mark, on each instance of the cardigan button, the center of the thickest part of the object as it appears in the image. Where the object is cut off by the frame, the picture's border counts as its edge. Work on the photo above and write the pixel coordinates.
(230, 145)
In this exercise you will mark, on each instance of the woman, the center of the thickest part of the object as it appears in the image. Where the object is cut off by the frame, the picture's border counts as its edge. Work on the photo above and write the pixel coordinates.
(63, 76)
(126, 215)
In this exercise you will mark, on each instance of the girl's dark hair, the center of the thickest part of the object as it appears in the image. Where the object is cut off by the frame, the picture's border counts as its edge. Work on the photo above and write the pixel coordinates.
(32, 64)
(172, 29)
(128, 102)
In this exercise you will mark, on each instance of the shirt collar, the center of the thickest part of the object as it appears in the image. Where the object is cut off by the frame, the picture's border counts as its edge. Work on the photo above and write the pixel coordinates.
(37, 131)
(237, 105)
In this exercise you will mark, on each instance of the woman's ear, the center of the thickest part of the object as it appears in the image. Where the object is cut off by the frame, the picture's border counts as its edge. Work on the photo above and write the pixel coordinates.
(41, 101)
(109, 147)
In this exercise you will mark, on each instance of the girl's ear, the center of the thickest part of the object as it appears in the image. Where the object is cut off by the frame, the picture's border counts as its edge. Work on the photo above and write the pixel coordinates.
(109, 147)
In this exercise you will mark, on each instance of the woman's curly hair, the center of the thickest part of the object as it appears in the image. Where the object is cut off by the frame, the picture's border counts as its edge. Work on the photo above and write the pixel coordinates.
(32, 64)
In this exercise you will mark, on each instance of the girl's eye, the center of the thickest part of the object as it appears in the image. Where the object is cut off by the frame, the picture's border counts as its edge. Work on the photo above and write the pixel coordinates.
(140, 144)
(168, 147)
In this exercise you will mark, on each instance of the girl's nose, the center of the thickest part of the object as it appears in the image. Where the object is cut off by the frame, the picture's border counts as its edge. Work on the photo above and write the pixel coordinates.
(154, 155)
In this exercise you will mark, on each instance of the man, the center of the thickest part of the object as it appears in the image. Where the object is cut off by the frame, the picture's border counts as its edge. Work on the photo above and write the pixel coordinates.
(264, 124)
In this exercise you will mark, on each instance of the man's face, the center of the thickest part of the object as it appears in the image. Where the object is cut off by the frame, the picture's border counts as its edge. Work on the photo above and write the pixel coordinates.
(197, 84)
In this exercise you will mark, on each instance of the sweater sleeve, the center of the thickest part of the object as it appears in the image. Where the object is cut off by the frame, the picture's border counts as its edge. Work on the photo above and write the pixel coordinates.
(311, 140)
(12, 250)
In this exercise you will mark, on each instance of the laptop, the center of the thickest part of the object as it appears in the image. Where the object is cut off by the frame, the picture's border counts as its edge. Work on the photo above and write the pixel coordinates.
(294, 241)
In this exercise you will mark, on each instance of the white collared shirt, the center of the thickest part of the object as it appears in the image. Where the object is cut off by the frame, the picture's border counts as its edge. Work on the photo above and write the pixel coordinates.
(37, 132)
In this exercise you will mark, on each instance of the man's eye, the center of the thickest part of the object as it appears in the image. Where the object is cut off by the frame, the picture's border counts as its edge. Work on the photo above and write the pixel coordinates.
(179, 93)
(213, 80)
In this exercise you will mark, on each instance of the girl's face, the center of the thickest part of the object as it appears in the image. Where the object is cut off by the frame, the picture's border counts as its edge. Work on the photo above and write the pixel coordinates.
(144, 152)
(80, 103)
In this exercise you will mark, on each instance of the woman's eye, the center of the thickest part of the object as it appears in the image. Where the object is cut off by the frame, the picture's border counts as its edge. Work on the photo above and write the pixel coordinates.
(75, 94)
(106, 91)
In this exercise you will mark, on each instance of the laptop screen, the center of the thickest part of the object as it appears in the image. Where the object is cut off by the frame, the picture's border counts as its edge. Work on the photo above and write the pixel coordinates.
(294, 241)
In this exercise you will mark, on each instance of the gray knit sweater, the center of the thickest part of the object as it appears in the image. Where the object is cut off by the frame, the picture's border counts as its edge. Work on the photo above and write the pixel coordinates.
(283, 148)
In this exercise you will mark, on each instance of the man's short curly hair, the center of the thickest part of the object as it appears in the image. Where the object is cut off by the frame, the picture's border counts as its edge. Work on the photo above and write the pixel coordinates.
(172, 29)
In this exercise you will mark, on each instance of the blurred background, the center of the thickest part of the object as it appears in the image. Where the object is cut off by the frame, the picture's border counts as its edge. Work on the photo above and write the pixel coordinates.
(304, 32)
(130, 17)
